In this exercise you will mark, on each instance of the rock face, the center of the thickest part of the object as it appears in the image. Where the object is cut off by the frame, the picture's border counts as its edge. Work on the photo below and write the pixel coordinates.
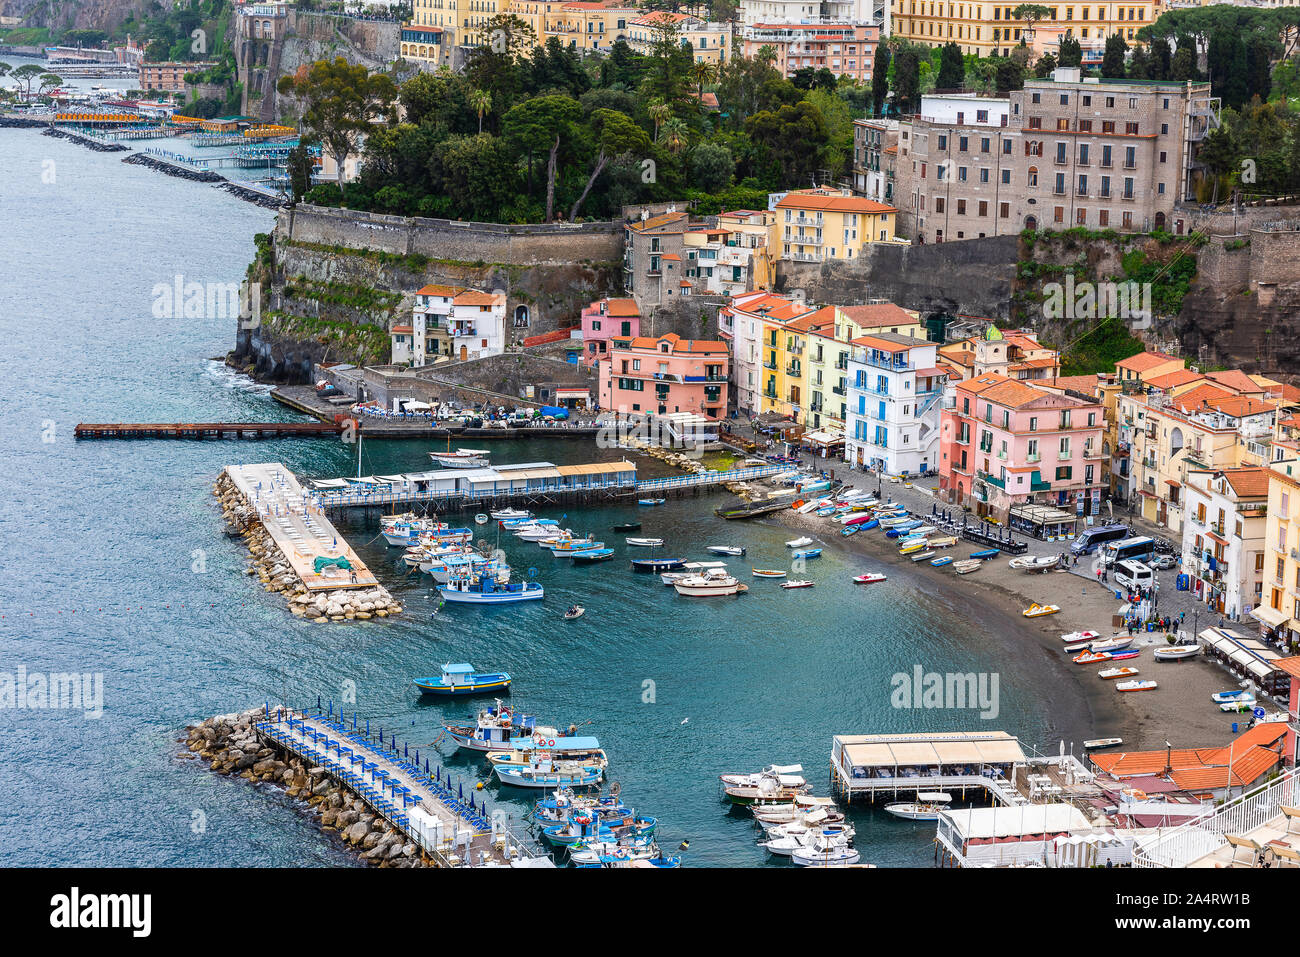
(229, 744)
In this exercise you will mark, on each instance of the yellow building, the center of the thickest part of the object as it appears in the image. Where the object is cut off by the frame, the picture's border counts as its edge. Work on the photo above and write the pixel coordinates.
(821, 224)
(1279, 608)
(989, 29)
(711, 42)
(589, 26)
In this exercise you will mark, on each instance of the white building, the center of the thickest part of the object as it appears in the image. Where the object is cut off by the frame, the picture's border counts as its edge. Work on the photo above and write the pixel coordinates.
(875, 12)
(1224, 526)
(451, 322)
(895, 392)
(746, 323)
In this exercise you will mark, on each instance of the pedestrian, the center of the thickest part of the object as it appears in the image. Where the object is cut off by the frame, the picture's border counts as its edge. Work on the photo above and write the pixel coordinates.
(1098, 576)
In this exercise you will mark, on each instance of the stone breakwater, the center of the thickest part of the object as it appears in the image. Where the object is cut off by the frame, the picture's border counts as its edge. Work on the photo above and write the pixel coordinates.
(85, 141)
(273, 570)
(174, 169)
(230, 745)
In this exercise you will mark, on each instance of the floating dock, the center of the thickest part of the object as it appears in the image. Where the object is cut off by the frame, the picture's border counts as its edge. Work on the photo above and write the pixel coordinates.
(207, 430)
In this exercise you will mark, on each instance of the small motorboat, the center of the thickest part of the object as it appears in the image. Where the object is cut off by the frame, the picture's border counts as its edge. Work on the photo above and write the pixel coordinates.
(941, 561)
(462, 679)
(726, 549)
(1176, 652)
(657, 564)
(868, 578)
(797, 583)
(710, 582)
(650, 501)
(1222, 697)
(480, 519)
(510, 514)
(798, 542)
(922, 556)
(1094, 743)
(1109, 674)
(966, 566)
(1038, 611)
(915, 811)
(986, 554)
(1091, 657)
(626, 527)
(645, 542)
(808, 553)
(823, 852)
(767, 573)
(1136, 686)
(592, 555)
(791, 840)
(575, 611)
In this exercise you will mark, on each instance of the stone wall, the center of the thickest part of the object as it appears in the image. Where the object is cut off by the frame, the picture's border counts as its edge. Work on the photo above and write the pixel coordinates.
(1275, 253)
(691, 317)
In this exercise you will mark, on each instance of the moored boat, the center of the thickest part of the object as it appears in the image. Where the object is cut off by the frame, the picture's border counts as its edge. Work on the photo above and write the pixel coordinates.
(1176, 652)
(588, 555)
(1136, 686)
(650, 501)
(869, 578)
(493, 728)
(767, 573)
(807, 553)
(797, 583)
(626, 527)
(710, 583)
(799, 542)
(462, 458)
(484, 589)
(645, 542)
(1094, 743)
(657, 564)
(462, 679)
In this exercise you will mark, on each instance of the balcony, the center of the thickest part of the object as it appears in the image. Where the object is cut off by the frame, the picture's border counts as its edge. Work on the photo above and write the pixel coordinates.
(890, 365)
(793, 369)
(767, 364)
(839, 390)
(1033, 458)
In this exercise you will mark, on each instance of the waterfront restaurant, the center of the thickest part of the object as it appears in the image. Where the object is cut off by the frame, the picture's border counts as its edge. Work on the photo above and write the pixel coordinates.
(1247, 657)
(1025, 835)
(885, 764)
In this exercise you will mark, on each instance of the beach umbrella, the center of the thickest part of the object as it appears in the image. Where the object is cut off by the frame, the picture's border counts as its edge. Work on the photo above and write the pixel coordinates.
(460, 790)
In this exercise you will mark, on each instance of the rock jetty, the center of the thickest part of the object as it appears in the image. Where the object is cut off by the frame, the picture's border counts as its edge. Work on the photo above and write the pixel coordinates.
(230, 745)
(273, 570)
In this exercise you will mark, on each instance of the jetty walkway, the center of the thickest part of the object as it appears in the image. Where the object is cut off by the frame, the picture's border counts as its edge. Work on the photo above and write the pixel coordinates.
(393, 783)
(205, 430)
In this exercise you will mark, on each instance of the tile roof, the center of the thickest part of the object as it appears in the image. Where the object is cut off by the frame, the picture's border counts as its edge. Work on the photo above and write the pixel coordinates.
(1079, 383)
(1237, 381)
(472, 297)
(439, 290)
(1145, 360)
(1171, 380)
(654, 222)
(1248, 482)
(1200, 768)
(877, 314)
(889, 342)
(834, 204)
(622, 307)
(677, 343)
(1014, 394)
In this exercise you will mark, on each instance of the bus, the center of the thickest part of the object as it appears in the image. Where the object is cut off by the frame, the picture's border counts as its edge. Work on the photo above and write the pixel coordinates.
(1140, 549)
(1091, 539)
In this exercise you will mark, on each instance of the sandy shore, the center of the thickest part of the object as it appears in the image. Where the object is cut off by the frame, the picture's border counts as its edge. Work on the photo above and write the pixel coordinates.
(1179, 710)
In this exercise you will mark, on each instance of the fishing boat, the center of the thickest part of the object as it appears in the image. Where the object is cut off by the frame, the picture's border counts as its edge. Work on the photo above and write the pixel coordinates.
(463, 679)
(725, 549)
(943, 541)
(626, 527)
(568, 542)
(986, 554)
(1038, 611)
(869, 578)
(1176, 652)
(1092, 744)
(588, 555)
(768, 790)
(1091, 657)
(767, 573)
(940, 562)
(510, 514)
(787, 775)
(577, 611)
(825, 852)
(549, 774)
(1136, 686)
(912, 545)
(1029, 563)
(807, 553)
(650, 501)
(1221, 697)
(851, 530)
(1109, 674)
(927, 806)
(574, 548)
(574, 749)
(492, 728)
(462, 458)
(645, 542)
(657, 564)
(484, 589)
(966, 566)
(922, 556)
(688, 569)
(711, 583)
(785, 844)
(798, 542)
(618, 853)
(480, 519)
(797, 583)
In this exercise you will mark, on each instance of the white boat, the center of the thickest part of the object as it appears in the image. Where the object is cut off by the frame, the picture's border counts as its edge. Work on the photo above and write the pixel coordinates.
(1076, 637)
(709, 583)
(1030, 563)
(915, 811)
(726, 549)
(645, 542)
(544, 773)
(825, 852)
(480, 519)
(869, 578)
(1136, 686)
(798, 542)
(966, 566)
(510, 514)
(804, 804)
(461, 458)
(797, 583)
(1176, 652)
(787, 774)
(800, 826)
(807, 507)
(785, 845)
(540, 533)
(1109, 674)
(687, 570)
(1117, 643)
(1094, 743)
(1222, 697)
(1238, 704)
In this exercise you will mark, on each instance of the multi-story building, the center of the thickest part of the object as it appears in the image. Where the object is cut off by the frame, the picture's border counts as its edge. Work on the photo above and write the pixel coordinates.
(604, 319)
(711, 42)
(875, 152)
(731, 257)
(653, 270)
(894, 407)
(817, 225)
(1224, 535)
(665, 375)
(169, 76)
(876, 12)
(990, 29)
(425, 43)
(750, 323)
(1063, 152)
(1015, 354)
(844, 48)
(1279, 609)
(1005, 443)
(583, 25)
(450, 322)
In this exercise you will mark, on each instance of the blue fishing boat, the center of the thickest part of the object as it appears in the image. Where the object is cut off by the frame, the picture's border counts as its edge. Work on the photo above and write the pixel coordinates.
(462, 679)
(658, 564)
(549, 774)
(986, 554)
(939, 562)
(899, 531)
(851, 530)
(484, 589)
(591, 555)
(1126, 654)
(650, 501)
(808, 553)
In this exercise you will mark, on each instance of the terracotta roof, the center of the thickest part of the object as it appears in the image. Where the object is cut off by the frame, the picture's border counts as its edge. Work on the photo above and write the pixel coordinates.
(622, 307)
(676, 342)
(1201, 768)
(1013, 394)
(1290, 665)
(1079, 383)
(980, 384)
(1171, 380)
(1248, 482)
(879, 314)
(1237, 381)
(401, 329)
(654, 222)
(472, 297)
(836, 204)
(1045, 362)
(1241, 405)
(437, 290)
(1145, 360)
(1192, 400)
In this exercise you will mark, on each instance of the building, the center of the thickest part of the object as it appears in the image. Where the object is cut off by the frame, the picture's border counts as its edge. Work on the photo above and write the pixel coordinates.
(1279, 611)
(875, 152)
(817, 225)
(845, 48)
(580, 25)
(169, 76)
(1101, 154)
(427, 44)
(1005, 443)
(876, 12)
(604, 319)
(731, 257)
(710, 42)
(653, 270)
(894, 404)
(1015, 354)
(750, 323)
(1224, 535)
(665, 375)
(450, 322)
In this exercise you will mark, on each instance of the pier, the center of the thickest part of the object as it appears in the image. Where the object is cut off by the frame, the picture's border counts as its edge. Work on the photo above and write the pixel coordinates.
(207, 430)
(315, 551)
(411, 797)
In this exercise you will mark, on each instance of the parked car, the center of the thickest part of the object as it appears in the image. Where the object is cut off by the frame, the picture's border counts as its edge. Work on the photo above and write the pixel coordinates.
(1163, 561)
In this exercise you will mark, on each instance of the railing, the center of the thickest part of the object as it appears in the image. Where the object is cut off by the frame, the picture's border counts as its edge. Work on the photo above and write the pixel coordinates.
(711, 478)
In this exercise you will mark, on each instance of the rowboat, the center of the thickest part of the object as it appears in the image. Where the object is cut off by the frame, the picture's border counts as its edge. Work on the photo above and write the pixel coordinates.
(797, 583)
(626, 527)
(577, 611)
(1094, 743)
(798, 542)
(940, 562)
(807, 507)
(1136, 686)
(1029, 563)
(1221, 697)
(645, 542)
(480, 519)
(1125, 654)
(1176, 652)
(1118, 643)
(1038, 611)
(767, 573)
(592, 555)
(915, 811)
(1106, 674)
(922, 556)
(567, 551)
(462, 679)
(461, 458)
(726, 549)
(657, 564)
(912, 545)
(808, 553)
(966, 566)
(650, 501)
(868, 578)
(1091, 657)
(986, 553)
(943, 541)
(858, 518)
(851, 530)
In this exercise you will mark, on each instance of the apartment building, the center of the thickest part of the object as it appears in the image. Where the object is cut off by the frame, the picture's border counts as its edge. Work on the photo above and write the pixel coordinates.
(1279, 608)
(749, 323)
(169, 76)
(1005, 444)
(1015, 354)
(731, 257)
(665, 375)
(1064, 152)
(844, 48)
(991, 29)
(876, 12)
(450, 322)
(653, 269)
(894, 404)
(1224, 537)
(711, 42)
(822, 224)
(604, 319)
(875, 152)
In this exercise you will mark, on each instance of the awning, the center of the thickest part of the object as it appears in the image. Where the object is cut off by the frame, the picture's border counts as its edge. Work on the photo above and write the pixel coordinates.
(1270, 616)
(572, 393)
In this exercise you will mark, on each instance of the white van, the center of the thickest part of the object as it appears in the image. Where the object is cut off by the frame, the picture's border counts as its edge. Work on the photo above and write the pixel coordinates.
(1134, 576)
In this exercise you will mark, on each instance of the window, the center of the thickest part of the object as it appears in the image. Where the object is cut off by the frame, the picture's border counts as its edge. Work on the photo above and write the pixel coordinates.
(1033, 176)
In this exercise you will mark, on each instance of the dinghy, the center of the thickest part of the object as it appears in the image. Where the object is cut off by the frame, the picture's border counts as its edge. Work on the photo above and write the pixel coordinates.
(626, 527)
(940, 562)
(808, 553)
(577, 611)
(966, 566)
(1176, 652)
(1118, 643)
(645, 542)
(922, 556)
(868, 578)
(797, 583)
(1126, 654)
(480, 519)
(592, 555)
(657, 564)
(767, 573)
(851, 530)
(650, 501)
(726, 549)
(798, 542)
(1094, 743)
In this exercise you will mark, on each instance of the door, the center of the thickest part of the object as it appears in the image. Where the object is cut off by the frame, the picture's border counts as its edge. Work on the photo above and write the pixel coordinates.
(464, 353)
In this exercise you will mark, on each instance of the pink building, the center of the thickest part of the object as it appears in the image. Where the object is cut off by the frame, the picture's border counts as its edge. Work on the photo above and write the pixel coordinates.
(663, 375)
(1005, 443)
(842, 48)
(604, 319)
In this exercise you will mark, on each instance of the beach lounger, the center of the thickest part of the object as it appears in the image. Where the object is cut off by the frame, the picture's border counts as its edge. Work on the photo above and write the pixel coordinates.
(1291, 814)
(1238, 842)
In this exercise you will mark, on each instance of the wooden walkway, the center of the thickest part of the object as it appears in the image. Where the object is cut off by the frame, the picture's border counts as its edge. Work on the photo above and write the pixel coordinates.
(391, 780)
(299, 528)
(207, 430)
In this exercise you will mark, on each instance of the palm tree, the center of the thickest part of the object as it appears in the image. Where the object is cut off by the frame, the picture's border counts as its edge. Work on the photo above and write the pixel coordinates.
(659, 112)
(480, 101)
(766, 54)
(704, 73)
(675, 132)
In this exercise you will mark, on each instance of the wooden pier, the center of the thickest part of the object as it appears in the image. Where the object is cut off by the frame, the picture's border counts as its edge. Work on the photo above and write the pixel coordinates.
(413, 798)
(208, 430)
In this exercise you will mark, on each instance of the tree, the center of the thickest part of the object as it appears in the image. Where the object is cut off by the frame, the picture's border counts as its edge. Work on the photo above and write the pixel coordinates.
(1071, 52)
(704, 73)
(880, 80)
(481, 101)
(340, 104)
(1045, 65)
(1010, 76)
(50, 81)
(1183, 65)
(26, 75)
(711, 167)
(1112, 61)
(1226, 61)
(952, 67)
(1219, 154)
(660, 112)
(907, 79)
(551, 120)
(615, 135)
(675, 134)
(1031, 13)
(299, 167)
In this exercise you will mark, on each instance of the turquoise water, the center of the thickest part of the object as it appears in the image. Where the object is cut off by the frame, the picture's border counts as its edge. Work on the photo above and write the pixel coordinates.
(115, 563)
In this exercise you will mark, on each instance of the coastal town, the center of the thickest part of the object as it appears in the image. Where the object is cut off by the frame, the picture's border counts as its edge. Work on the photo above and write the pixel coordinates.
(914, 384)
